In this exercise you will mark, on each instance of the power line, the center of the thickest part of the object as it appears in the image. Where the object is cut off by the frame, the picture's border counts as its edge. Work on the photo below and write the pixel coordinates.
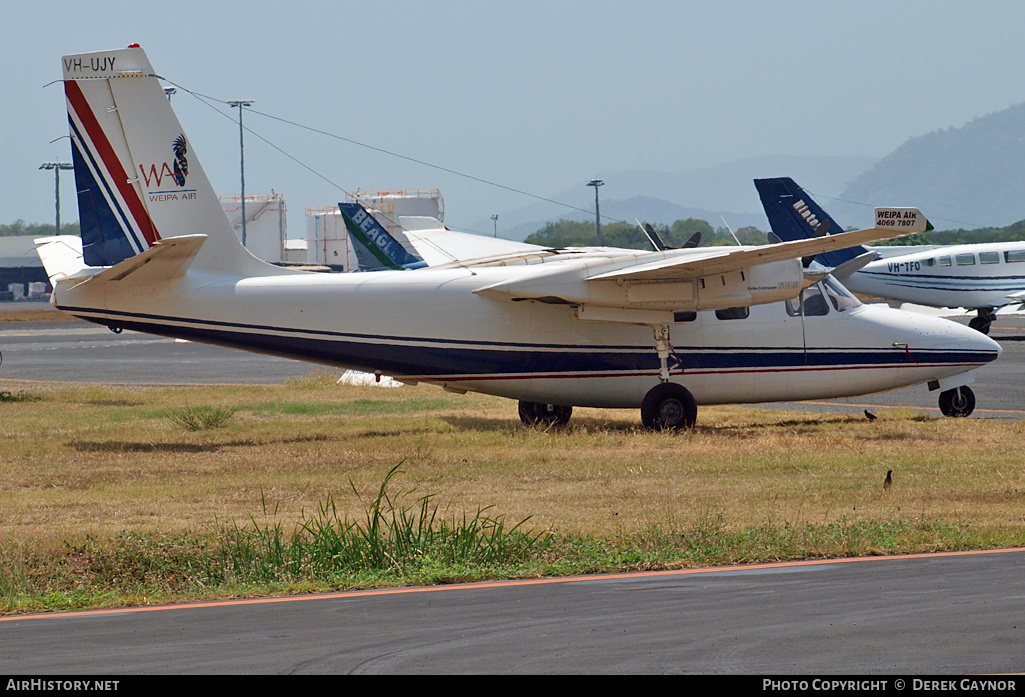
(203, 98)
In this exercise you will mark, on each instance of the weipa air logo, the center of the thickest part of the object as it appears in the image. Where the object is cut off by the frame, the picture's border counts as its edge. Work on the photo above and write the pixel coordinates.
(175, 172)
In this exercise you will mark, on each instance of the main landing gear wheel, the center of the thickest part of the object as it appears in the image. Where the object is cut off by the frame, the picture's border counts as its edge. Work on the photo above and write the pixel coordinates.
(669, 407)
(979, 324)
(983, 320)
(959, 401)
(544, 415)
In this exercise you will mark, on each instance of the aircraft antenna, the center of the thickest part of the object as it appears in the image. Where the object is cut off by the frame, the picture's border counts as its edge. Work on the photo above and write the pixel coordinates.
(731, 231)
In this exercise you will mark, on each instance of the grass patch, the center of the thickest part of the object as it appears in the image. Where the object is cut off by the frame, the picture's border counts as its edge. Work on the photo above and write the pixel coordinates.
(8, 396)
(356, 407)
(36, 315)
(106, 500)
(201, 418)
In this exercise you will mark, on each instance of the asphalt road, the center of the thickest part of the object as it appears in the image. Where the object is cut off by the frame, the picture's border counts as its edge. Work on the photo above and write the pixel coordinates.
(926, 615)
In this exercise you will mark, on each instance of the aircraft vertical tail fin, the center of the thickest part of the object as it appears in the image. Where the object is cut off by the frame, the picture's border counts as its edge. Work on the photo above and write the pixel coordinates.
(375, 247)
(138, 180)
(793, 215)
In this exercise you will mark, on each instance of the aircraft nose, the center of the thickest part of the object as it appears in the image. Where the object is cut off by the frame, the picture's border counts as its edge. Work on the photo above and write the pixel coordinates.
(988, 344)
(975, 345)
(950, 341)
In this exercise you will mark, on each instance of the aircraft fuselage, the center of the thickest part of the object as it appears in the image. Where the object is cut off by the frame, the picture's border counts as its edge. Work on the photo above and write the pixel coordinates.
(971, 276)
(429, 326)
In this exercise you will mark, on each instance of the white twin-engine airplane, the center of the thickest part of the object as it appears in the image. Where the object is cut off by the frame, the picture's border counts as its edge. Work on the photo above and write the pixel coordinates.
(980, 277)
(553, 328)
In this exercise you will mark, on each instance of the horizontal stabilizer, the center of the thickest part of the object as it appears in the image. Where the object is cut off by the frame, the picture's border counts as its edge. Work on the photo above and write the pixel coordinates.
(62, 258)
(844, 270)
(166, 260)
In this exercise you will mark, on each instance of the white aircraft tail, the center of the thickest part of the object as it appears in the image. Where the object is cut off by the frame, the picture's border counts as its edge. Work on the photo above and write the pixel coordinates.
(138, 180)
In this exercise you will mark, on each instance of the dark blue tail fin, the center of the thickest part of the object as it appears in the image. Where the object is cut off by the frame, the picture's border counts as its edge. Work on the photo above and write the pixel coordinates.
(793, 215)
(375, 248)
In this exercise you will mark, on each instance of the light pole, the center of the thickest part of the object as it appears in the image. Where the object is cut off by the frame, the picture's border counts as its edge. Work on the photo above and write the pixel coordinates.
(169, 91)
(242, 157)
(597, 216)
(57, 167)
(495, 218)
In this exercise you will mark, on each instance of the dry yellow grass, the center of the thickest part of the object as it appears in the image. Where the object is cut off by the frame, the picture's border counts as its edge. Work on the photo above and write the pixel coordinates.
(82, 460)
(34, 315)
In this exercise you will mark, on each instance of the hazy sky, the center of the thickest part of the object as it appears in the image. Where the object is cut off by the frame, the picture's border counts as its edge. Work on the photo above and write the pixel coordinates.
(535, 96)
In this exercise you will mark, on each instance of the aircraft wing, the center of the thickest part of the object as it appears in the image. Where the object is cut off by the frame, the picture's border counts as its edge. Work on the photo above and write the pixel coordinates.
(703, 278)
(711, 261)
(440, 246)
(432, 243)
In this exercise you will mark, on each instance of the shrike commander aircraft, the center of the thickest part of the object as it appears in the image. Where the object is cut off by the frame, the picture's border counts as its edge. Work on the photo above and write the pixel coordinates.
(663, 331)
(980, 277)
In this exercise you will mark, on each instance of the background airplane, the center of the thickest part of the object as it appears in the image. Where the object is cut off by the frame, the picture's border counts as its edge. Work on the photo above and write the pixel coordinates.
(663, 331)
(980, 277)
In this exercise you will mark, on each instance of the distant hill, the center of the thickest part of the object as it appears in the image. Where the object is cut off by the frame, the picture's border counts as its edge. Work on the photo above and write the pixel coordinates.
(968, 177)
(708, 193)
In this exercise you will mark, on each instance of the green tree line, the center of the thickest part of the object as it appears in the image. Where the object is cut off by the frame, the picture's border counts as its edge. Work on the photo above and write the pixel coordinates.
(571, 233)
(21, 228)
(1012, 233)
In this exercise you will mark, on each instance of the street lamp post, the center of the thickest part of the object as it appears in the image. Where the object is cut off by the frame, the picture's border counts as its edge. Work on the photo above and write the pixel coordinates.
(597, 216)
(242, 157)
(495, 218)
(57, 167)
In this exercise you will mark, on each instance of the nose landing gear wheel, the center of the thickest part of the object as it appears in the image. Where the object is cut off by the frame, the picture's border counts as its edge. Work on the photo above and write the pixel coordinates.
(959, 401)
(544, 415)
(668, 407)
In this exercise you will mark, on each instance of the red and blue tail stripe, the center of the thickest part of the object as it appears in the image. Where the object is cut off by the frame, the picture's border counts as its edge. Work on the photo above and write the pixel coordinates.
(114, 221)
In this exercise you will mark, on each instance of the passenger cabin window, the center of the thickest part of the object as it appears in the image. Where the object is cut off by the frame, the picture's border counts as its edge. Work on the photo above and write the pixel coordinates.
(929, 262)
(685, 316)
(944, 261)
(989, 257)
(1014, 255)
(965, 259)
(733, 313)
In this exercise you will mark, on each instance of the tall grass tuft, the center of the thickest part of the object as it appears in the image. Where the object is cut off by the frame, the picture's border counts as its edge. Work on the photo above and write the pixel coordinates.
(396, 540)
(201, 418)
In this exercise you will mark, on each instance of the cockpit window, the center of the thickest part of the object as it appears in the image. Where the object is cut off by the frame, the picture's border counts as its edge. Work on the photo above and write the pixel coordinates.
(841, 298)
(814, 304)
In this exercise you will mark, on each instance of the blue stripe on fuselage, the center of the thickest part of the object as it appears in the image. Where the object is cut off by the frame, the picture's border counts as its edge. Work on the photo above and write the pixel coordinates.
(429, 357)
(954, 283)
